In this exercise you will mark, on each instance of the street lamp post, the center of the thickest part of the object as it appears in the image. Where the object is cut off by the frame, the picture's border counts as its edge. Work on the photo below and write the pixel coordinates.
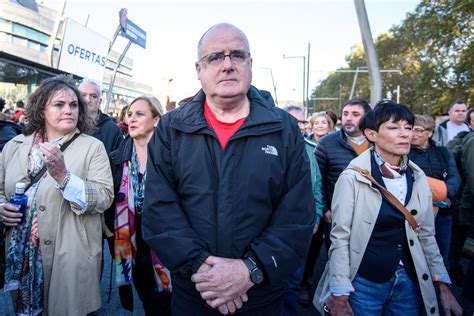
(305, 105)
(273, 83)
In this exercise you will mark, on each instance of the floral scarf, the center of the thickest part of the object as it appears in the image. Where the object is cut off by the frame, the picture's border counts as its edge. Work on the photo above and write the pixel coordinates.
(24, 265)
(125, 246)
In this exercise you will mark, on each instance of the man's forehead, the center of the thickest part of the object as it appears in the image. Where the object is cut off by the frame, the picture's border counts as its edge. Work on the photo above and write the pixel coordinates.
(353, 108)
(459, 107)
(89, 88)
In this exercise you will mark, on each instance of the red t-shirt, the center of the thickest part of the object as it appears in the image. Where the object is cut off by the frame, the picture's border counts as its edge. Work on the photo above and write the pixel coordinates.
(224, 131)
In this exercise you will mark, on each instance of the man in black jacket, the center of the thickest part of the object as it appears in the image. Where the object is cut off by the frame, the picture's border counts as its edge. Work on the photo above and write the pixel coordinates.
(334, 152)
(228, 202)
(107, 130)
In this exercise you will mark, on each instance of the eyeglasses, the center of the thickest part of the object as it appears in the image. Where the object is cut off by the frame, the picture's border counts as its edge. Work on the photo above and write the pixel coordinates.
(419, 130)
(236, 56)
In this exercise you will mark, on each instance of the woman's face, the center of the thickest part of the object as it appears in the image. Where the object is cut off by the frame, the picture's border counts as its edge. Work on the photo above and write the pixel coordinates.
(320, 126)
(61, 113)
(392, 141)
(421, 137)
(141, 122)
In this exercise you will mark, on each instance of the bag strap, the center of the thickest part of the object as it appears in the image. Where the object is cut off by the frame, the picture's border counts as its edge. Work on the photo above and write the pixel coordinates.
(43, 170)
(390, 197)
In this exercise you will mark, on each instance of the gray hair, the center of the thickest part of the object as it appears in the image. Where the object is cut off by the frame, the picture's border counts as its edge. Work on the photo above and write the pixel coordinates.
(227, 26)
(87, 81)
(289, 108)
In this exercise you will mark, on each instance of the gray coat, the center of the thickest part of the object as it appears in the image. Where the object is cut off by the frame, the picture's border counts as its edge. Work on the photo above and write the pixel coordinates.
(355, 208)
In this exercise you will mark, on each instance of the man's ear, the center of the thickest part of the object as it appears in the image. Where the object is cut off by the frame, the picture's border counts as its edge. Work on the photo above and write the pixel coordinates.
(370, 134)
(198, 69)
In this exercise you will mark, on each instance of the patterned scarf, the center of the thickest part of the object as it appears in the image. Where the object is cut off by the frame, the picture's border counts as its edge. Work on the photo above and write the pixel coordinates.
(125, 246)
(24, 266)
(387, 169)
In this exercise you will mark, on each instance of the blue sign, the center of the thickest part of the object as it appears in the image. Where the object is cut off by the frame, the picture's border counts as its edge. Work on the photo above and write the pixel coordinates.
(130, 30)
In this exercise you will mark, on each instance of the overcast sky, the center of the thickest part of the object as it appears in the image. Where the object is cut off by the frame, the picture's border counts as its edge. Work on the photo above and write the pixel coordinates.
(274, 28)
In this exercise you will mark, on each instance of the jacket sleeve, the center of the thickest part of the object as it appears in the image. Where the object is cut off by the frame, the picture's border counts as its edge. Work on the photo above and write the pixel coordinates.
(453, 179)
(98, 182)
(468, 166)
(282, 246)
(315, 184)
(321, 157)
(342, 213)
(165, 226)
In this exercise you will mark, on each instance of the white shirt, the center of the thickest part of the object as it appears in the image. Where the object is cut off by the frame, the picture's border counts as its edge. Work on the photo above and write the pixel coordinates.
(454, 129)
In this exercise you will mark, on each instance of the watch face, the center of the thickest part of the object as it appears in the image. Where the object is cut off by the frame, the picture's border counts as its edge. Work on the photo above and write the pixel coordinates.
(256, 276)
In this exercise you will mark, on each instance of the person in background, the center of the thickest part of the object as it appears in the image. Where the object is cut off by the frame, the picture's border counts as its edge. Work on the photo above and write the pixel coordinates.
(446, 131)
(20, 106)
(107, 130)
(54, 249)
(470, 118)
(134, 261)
(228, 201)
(438, 164)
(379, 264)
(297, 281)
(333, 115)
(333, 153)
(321, 125)
(298, 113)
(8, 129)
(123, 120)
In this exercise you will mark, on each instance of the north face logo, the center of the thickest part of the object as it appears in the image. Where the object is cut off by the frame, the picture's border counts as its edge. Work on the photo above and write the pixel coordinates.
(270, 150)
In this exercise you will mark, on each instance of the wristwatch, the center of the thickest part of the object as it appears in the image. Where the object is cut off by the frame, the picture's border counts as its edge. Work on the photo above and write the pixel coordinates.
(256, 275)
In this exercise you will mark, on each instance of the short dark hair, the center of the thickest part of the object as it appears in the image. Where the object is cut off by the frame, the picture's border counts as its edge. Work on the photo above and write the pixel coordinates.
(458, 101)
(385, 111)
(358, 101)
(468, 117)
(40, 98)
(20, 104)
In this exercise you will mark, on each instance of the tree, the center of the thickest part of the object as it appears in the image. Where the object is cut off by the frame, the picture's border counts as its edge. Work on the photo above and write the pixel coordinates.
(433, 47)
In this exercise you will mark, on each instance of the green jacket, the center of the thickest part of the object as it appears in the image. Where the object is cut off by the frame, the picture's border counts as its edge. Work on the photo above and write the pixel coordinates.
(315, 179)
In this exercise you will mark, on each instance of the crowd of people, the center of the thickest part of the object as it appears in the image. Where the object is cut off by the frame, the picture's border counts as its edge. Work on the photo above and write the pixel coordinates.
(223, 204)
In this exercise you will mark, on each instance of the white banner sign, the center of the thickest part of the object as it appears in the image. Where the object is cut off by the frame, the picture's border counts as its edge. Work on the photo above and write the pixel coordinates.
(83, 52)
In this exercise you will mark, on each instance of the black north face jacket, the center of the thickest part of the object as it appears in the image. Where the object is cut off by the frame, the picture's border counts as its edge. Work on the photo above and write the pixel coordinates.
(255, 196)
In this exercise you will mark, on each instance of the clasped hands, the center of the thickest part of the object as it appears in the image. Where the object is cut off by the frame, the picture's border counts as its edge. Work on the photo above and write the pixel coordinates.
(223, 283)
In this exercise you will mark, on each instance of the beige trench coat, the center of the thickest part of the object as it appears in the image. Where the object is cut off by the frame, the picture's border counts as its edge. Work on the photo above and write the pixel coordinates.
(71, 244)
(355, 208)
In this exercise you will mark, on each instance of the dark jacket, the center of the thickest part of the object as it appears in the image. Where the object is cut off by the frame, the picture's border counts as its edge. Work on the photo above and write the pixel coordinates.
(108, 133)
(438, 162)
(333, 154)
(8, 130)
(466, 210)
(255, 196)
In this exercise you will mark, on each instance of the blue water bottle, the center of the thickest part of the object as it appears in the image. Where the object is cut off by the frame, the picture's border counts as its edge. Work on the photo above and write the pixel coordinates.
(20, 200)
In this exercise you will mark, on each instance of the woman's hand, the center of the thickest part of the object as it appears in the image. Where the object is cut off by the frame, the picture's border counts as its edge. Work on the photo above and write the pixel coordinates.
(9, 215)
(54, 161)
(338, 306)
(448, 301)
(327, 217)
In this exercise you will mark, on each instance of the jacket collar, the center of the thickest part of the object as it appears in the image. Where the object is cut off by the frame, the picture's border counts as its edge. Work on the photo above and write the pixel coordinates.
(364, 162)
(262, 117)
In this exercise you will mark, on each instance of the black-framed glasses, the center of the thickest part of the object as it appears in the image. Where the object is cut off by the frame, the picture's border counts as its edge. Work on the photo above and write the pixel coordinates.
(236, 56)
